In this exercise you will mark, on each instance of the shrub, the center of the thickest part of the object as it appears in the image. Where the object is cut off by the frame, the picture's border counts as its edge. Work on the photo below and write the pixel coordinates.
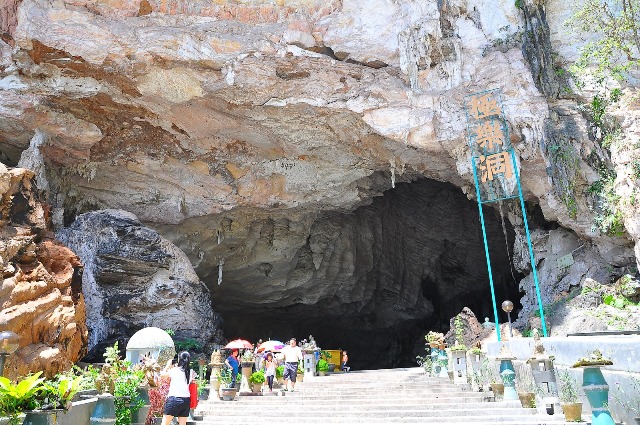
(323, 366)
(257, 377)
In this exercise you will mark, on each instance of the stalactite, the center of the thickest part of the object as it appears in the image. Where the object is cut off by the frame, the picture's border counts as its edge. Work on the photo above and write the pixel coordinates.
(392, 162)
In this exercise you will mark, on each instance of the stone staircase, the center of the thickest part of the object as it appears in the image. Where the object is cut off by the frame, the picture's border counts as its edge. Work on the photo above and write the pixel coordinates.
(371, 397)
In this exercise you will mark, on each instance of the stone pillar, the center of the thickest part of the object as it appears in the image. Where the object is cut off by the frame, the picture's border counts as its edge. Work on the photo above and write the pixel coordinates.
(247, 370)
(459, 359)
(508, 373)
(309, 364)
(475, 361)
(443, 361)
(435, 367)
(544, 377)
(597, 391)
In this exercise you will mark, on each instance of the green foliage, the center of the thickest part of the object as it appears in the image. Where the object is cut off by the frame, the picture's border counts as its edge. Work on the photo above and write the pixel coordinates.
(323, 366)
(171, 332)
(16, 398)
(88, 377)
(202, 385)
(568, 387)
(528, 332)
(609, 218)
(187, 344)
(224, 375)
(257, 377)
(325, 354)
(613, 51)
(425, 362)
(459, 327)
(279, 371)
(57, 393)
(565, 171)
(518, 4)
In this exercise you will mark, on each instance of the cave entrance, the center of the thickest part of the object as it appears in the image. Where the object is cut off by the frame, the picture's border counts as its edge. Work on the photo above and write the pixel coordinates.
(373, 281)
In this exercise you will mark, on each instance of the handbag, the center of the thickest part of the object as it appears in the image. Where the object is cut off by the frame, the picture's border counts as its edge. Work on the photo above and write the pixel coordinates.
(193, 391)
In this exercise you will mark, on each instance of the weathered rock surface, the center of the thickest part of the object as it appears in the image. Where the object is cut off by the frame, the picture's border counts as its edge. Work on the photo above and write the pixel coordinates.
(237, 129)
(134, 278)
(40, 297)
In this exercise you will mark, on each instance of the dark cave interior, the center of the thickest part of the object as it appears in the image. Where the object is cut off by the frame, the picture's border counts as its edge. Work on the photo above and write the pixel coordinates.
(418, 252)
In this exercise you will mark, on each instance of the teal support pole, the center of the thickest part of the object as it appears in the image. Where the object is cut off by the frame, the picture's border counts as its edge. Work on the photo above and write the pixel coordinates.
(486, 248)
(526, 229)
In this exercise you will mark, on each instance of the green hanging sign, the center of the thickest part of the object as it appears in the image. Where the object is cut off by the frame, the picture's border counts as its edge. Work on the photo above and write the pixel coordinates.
(495, 172)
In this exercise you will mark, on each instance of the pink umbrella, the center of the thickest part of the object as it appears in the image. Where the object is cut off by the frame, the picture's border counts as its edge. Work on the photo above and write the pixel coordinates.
(270, 346)
(239, 344)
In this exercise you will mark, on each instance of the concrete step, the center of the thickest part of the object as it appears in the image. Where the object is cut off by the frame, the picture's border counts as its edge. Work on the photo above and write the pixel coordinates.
(214, 404)
(442, 420)
(345, 407)
(373, 412)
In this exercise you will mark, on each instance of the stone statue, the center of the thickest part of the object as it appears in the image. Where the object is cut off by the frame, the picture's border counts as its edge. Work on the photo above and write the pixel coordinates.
(216, 357)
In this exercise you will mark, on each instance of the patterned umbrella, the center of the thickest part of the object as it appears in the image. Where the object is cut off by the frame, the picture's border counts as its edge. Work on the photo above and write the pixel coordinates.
(270, 346)
(239, 344)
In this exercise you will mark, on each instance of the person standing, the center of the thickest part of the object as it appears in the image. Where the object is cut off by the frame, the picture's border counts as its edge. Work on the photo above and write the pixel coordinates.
(292, 356)
(343, 364)
(178, 398)
(233, 363)
(270, 365)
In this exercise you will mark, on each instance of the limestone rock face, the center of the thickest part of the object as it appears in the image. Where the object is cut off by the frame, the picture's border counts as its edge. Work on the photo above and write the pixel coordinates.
(236, 129)
(40, 297)
(134, 278)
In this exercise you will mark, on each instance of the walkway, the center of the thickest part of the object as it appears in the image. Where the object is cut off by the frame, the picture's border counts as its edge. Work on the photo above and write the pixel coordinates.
(372, 397)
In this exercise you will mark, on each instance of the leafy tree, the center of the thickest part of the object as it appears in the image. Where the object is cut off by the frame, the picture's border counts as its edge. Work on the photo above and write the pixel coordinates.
(615, 48)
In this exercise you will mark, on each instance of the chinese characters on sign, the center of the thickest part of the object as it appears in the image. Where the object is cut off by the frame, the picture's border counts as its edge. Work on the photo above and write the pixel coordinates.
(491, 149)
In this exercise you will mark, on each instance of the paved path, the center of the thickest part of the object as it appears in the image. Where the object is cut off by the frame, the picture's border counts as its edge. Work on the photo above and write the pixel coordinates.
(372, 397)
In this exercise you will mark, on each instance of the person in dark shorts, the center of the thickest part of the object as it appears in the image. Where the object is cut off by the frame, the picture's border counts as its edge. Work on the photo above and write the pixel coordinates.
(292, 356)
(178, 398)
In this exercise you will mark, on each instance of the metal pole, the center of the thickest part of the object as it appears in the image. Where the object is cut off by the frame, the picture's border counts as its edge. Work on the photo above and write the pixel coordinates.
(486, 246)
(526, 229)
(3, 358)
(510, 330)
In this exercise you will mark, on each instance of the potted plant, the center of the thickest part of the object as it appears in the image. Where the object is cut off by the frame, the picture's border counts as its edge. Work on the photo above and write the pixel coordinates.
(15, 399)
(527, 391)
(434, 339)
(280, 375)
(568, 390)
(157, 397)
(300, 373)
(323, 367)
(224, 377)
(495, 382)
(257, 379)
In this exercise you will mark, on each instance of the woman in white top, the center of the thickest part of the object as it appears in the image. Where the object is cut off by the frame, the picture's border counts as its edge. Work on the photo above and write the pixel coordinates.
(178, 398)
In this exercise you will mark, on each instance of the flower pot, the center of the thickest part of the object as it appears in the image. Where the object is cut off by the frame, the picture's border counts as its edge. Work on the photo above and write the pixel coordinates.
(527, 400)
(299, 377)
(228, 394)
(572, 412)
(256, 387)
(497, 388)
(41, 417)
(204, 394)
(322, 373)
(332, 367)
(139, 416)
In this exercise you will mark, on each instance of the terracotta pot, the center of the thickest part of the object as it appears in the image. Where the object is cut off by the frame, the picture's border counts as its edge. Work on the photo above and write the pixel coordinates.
(299, 377)
(256, 387)
(528, 400)
(572, 412)
(228, 394)
(497, 388)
